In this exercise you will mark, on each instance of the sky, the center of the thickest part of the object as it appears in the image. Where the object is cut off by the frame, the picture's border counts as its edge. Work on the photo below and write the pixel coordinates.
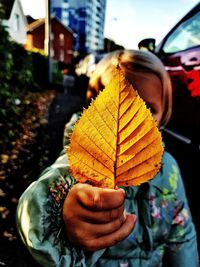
(129, 21)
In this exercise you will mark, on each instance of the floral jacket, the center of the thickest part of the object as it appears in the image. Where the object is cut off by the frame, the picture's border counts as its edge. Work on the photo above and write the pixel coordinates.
(164, 234)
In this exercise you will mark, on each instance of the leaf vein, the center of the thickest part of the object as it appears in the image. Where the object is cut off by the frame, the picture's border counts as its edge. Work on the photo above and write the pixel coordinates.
(94, 169)
(137, 165)
(94, 143)
(98, 130)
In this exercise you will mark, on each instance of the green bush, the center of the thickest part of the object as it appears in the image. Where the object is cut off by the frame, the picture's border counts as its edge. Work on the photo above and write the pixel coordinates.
(20, 72)
(15, 78)
(22, 67)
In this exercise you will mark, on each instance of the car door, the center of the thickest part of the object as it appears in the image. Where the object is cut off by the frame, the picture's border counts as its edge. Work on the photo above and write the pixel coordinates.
(180, 53)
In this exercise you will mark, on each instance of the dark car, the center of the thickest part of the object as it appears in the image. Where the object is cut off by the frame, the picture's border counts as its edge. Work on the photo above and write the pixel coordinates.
(180, 53)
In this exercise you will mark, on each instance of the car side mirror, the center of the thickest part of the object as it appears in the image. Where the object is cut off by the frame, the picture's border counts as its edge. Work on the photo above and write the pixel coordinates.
(148, 44)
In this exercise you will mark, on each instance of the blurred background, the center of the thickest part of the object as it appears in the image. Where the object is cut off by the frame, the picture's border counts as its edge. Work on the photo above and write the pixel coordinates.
(48, 50)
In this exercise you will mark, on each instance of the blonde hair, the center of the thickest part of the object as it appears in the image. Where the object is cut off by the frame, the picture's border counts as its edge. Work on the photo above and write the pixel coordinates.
(132, 61)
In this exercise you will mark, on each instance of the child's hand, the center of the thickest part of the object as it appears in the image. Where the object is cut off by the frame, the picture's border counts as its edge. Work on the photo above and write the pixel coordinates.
(95, 218)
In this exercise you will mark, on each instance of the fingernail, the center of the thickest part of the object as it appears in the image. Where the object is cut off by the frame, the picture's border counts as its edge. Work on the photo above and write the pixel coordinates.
(133, 217)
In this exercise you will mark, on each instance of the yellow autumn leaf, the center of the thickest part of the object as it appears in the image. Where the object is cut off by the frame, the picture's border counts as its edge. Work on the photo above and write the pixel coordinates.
(116, 141)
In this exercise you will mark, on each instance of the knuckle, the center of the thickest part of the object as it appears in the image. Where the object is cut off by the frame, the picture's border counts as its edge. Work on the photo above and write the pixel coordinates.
(97, 200)
(114, 214)
(91, 198)
(75, 188)
(117, 224)
(122, 219)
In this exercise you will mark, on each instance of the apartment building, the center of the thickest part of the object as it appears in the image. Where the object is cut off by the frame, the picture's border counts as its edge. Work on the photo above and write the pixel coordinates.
(86, 19)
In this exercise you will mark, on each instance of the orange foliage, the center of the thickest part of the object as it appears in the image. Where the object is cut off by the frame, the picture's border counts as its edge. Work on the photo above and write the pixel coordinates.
(116, 141)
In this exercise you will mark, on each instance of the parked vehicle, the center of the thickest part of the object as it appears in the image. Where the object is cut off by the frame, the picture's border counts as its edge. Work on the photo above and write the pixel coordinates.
(180, 53)
(87, 65)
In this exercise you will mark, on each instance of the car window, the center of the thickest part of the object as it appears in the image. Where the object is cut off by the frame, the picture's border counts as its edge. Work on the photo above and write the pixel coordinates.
(186, 35)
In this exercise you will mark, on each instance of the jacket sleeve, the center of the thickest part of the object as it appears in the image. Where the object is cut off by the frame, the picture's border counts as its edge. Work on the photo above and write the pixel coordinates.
(39, 220)
(39, 216)
(181, 248)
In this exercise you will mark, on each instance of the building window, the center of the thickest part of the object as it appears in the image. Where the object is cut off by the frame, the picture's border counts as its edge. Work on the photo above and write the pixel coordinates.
(62, 55)
(52, 36)
(52, 52)
(61, 39)
(65, 21)
(16, 25)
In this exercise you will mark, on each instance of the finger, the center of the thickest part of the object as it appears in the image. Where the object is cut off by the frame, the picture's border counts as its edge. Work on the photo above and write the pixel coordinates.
(98, 230)
(93, 216)
(113, 238)
(96, 198)
(96, 217)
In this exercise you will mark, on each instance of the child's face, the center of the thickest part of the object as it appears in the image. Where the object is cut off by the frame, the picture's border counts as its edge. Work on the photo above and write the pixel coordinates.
(149, 88)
